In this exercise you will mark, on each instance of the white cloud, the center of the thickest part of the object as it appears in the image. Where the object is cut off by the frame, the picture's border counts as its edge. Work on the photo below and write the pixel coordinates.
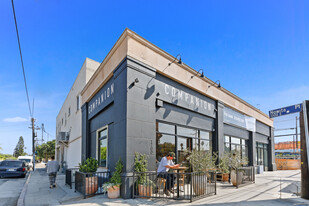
(15, 119)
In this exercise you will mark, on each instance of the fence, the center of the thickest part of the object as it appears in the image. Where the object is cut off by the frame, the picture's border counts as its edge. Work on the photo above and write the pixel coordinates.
(244, 176)
(90, 184)
(69, 176)
(180, 186)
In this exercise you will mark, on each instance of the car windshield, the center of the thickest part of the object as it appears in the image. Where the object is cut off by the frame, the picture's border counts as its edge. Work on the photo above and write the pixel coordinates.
(11, 163)
(25, 160)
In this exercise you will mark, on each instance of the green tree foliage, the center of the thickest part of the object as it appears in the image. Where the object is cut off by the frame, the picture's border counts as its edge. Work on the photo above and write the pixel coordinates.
(19, 149)
(46, 150)
(116, 177)
(103, 153)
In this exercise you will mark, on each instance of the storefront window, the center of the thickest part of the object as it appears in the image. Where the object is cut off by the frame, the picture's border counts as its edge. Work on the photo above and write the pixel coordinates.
(102, 137)
(165, 144)
(234, 144)
(186, 138)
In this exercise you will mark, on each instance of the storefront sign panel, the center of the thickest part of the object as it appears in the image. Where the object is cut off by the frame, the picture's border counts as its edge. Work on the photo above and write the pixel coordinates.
(186, 98)
(103, 98)
(232, 117)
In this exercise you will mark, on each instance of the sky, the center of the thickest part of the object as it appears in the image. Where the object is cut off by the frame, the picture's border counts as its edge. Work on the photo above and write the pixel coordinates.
(259, 50)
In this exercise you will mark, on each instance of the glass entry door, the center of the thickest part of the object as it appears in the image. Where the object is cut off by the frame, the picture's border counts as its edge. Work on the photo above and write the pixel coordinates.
(183, 146)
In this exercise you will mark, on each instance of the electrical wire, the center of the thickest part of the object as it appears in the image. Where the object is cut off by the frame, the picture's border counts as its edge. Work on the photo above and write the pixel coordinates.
(21, 58)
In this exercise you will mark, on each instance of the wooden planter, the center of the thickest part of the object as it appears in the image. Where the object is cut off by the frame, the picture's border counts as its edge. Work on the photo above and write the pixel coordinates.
(145, 191)
(91, 185)
(199, 184)
(113, 192)
(225, 177)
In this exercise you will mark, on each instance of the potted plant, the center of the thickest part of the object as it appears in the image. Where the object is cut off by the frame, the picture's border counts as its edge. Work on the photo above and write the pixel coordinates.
(145, 185)
(224, 165)
(113, 186)
(89, 167)
(201, 161)
(236, 163)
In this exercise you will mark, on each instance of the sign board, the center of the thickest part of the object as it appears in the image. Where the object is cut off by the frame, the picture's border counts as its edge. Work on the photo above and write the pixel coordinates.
(232, 117)
(285, 110)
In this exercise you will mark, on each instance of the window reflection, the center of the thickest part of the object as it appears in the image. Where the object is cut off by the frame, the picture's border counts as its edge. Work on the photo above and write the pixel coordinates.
(102, 137)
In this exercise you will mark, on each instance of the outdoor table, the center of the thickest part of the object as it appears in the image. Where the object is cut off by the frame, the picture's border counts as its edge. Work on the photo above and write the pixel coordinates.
(179, 169)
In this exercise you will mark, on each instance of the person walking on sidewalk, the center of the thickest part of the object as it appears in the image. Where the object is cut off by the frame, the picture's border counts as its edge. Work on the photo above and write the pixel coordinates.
(52, 168)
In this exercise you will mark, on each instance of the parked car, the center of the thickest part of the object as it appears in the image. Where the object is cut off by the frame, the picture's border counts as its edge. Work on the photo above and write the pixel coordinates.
(13, 168)
(28, 160)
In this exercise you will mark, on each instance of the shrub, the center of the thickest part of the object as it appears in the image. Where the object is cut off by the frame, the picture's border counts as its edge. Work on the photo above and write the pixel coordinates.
(90, 165)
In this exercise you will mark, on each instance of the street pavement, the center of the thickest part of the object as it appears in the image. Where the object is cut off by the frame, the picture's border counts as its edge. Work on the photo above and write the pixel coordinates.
(10, 189)
(39, 193)
(266, 191)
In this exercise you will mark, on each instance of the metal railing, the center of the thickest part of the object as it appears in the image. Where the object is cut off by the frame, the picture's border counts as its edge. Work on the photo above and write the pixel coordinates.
(89, 184)
(245, 175)
(180, 186)
(70, 176)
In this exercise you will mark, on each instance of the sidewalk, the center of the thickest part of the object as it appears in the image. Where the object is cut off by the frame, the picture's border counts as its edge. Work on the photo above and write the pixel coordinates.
(39, 193)
(266, 191)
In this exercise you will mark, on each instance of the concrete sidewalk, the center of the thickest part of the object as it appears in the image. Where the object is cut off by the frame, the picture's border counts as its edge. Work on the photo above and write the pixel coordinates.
(39, 193)
(266, 191)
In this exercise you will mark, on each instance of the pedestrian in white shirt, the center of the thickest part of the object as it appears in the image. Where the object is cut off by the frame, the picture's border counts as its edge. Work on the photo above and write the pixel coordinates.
(165, 164)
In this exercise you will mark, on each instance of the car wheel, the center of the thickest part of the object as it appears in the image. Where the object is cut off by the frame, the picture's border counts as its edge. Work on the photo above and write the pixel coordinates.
(1, 176)
(23, 176)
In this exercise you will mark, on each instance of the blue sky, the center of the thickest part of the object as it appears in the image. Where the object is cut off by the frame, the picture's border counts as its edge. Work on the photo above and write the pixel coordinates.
(257, 49)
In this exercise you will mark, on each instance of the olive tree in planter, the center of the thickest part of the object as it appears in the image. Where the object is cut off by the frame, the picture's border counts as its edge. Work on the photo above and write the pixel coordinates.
(224, 165)
(236, 163)
(145, 185)
(113, 186)
(201, 161)
(89, 167)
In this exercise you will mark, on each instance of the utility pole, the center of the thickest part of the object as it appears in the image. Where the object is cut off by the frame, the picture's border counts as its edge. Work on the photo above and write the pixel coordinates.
(33, 146)
(42, 133)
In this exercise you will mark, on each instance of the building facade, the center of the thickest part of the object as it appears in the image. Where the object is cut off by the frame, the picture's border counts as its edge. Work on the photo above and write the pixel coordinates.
(141, 99)
(68, 128)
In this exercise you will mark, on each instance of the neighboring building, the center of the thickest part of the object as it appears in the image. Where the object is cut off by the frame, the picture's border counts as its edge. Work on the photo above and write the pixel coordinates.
(68, 121)
(141, 100)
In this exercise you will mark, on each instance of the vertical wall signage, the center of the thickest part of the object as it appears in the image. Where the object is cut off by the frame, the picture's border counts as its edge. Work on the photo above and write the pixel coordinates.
(103, 98)
(232, 117)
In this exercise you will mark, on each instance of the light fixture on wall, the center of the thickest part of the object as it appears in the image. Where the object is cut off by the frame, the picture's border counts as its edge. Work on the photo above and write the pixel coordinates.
(217, 83)
(201, 74)
(178, 58)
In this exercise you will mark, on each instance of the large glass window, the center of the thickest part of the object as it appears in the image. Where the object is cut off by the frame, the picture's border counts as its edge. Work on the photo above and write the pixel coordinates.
(179, 139)
(234, 144)
(261, 154)
(102, 154)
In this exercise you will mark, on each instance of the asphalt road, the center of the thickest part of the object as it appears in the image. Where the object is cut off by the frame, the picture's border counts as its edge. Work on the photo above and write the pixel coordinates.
(10, 189)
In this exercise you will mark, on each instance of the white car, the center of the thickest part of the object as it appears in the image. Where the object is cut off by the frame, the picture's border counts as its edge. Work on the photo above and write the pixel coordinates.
(28, 160)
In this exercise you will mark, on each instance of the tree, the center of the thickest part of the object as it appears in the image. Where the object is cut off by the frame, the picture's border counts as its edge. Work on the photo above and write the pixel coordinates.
(46, 150)
(19, 149)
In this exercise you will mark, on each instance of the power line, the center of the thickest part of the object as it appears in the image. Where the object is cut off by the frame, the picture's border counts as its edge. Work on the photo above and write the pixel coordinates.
(21, 58)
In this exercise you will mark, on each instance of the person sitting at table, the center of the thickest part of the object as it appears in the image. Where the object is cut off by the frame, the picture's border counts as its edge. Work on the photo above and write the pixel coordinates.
(165, 164)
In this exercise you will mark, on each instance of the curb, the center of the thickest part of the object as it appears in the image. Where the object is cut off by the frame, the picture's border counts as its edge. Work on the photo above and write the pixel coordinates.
(22, 195)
